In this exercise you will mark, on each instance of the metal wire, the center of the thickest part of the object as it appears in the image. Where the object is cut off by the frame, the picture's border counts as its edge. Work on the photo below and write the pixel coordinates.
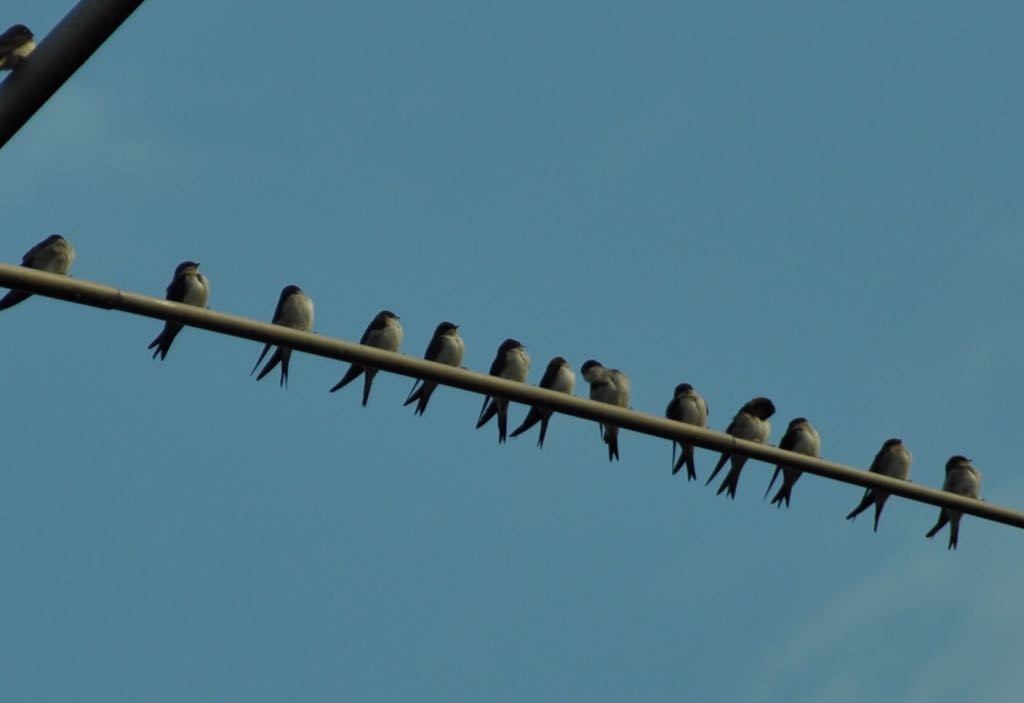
(56, 58)
(102, 296)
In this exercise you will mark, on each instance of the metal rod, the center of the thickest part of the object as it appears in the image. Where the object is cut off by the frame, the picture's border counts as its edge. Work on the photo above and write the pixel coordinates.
(56, 58)
(107, 297)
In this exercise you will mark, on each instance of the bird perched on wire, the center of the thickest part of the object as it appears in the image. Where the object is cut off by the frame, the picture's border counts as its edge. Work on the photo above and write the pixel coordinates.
(962, 479)
(54, 254)
(446, 347)
(511, 362)
(558, 376)
(607, 386)
(750, 423)
(188, 287)
(16, 43)
(687, 406)
(800, 437)
(294, 309)
(383, 332)
(893, 460)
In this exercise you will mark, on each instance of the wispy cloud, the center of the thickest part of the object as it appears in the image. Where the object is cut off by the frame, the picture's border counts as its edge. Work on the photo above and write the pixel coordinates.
(821, 656)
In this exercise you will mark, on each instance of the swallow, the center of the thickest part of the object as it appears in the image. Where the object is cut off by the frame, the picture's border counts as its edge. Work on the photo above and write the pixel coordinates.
(15, 44)
(511, 362)
(558, 376)
(894, 460)
(446, 347)
(962, 479)
(294, 309)
(800, 437)
(189, 287)
(687, 406)
(607, 386)
(383, 332)
(750, 423)
(54, 254)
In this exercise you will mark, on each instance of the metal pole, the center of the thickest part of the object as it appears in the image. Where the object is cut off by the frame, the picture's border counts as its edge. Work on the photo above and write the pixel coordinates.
(101, 296)
(56, 58)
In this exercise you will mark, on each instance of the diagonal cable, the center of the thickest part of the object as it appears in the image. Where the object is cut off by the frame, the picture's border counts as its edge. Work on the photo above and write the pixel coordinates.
(110, 298)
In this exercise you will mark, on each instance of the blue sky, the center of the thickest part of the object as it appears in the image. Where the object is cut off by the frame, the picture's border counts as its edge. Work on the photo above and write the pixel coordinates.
(819, 203)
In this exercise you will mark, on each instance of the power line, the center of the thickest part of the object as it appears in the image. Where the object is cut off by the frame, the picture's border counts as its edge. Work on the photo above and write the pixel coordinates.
(56, 58)
(103, 296)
